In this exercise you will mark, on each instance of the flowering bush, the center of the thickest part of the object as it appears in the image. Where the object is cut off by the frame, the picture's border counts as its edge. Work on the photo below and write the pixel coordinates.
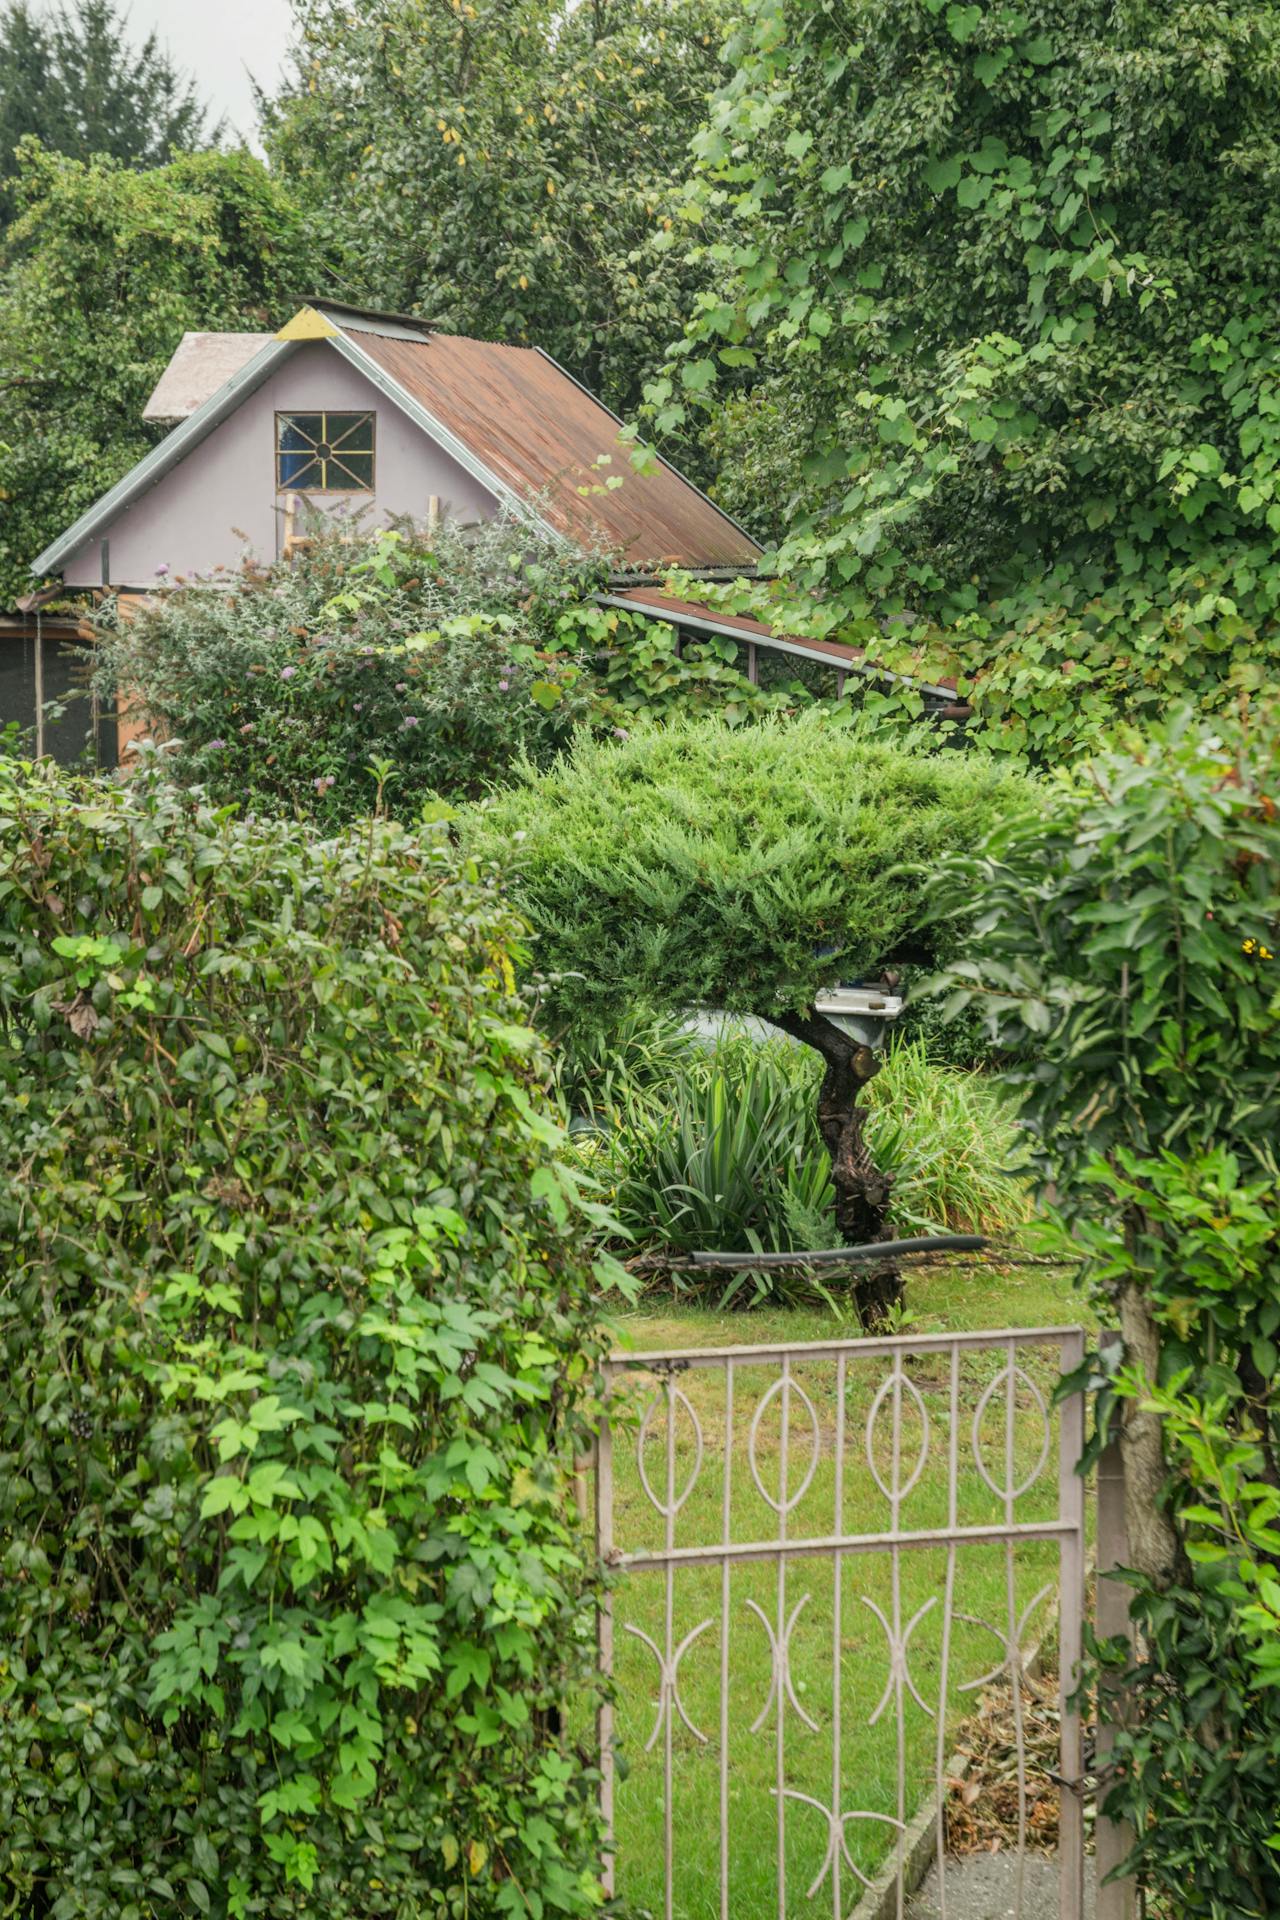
(297, 1350)
(285, 691)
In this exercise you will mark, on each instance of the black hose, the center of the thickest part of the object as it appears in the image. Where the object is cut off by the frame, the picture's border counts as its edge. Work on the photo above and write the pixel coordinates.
(837, 1256)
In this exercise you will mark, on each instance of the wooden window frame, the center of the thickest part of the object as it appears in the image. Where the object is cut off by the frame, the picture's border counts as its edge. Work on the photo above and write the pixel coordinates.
(293, 413)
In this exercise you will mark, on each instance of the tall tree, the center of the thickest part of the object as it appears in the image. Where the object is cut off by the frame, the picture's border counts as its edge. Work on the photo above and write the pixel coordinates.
(75, 79)
(1001, 321)
(511, 168)
(98, 280)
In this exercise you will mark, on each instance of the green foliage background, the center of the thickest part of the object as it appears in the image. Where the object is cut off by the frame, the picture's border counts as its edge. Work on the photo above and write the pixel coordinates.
(298, 1348)
(508, 168)
(72, 77)
(100, 275)
(993, 312)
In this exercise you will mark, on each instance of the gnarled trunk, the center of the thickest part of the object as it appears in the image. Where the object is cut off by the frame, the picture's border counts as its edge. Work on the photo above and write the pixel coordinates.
(862, 1191)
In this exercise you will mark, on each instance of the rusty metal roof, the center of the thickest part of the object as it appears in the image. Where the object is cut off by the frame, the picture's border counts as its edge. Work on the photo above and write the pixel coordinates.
(703, 618)
(547, 439)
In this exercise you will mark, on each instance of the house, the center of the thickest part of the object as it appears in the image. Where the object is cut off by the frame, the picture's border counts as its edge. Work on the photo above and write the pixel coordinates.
(345, 412)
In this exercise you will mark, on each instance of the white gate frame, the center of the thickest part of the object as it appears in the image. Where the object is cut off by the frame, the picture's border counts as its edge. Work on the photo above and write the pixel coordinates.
(1067, 1528)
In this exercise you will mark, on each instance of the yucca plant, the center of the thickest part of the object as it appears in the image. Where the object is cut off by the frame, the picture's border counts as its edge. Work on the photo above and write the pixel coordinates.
(715, 1171)
(713, 1146)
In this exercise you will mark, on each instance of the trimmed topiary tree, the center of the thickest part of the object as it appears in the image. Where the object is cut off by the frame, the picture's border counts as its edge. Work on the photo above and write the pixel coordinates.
(743, 869)
(298, 1350)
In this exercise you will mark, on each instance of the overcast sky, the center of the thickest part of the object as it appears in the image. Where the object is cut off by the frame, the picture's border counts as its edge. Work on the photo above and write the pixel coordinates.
(220, 42)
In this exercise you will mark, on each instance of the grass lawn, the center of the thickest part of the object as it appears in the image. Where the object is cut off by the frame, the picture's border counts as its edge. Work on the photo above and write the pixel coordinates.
(879, 1774)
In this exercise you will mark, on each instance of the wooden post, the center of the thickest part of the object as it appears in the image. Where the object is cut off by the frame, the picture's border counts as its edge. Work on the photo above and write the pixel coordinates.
(1113, 1839)
(39, 667)
(133, 723)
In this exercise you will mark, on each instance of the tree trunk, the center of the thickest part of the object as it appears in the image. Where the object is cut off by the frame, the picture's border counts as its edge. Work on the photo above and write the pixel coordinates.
(862, 1191)
(1153, 1541)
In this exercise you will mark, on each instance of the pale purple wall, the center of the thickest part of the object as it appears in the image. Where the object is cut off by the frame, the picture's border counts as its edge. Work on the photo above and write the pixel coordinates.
(219, 505)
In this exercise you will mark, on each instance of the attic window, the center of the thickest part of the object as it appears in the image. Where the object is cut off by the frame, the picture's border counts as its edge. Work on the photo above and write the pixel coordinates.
(324, 452)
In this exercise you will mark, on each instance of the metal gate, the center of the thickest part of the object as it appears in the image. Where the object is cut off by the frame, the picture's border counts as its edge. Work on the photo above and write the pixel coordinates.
(815, 1543)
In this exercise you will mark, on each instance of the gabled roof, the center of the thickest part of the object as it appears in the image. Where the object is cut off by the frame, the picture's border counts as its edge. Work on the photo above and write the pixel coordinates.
(527, 431)
(203, 363)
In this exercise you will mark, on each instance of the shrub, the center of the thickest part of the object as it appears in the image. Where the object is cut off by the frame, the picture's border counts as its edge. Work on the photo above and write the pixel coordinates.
(447, 657)
(951, 1140)
(1131, 931)
(603, 1074)
(284, 691)
(298, 1350)
(743, 869)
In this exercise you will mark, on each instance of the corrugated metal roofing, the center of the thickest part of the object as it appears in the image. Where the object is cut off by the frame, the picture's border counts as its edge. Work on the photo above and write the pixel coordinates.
(696, 613)
(532, 425)
(202, 363)
(703, 618)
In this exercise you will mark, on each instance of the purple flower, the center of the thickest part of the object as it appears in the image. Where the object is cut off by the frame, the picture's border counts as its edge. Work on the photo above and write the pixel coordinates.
(248, 727)
(162, 569)
(324, 782)
(287, 673)
(620, 733)
(216, 745)
(357, 707)
(503, 685)
(402, 686)
(410, 720)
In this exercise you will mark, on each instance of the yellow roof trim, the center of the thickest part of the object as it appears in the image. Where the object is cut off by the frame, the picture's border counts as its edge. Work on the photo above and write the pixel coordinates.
(307, 324)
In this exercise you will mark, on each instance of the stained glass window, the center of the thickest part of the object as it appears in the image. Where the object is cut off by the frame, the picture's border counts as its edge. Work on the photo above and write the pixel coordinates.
(324, 452)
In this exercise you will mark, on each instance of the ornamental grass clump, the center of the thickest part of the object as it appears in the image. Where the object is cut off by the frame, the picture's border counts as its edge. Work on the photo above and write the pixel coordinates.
(297, 1348)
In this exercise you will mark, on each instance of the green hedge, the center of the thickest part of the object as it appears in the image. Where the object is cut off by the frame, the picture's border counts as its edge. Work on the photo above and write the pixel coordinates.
(1129, 932)
(297, 1349)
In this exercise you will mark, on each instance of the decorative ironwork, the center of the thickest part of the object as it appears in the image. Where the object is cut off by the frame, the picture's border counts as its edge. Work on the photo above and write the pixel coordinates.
(671, 1506)
(900, 1441)
(899, 1671)
(669, 1681)
(780, 1681)
(1013, 1662)
(836, 1824)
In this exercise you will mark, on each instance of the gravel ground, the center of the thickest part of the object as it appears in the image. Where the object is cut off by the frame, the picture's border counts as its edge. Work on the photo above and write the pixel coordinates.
(983, 1886)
